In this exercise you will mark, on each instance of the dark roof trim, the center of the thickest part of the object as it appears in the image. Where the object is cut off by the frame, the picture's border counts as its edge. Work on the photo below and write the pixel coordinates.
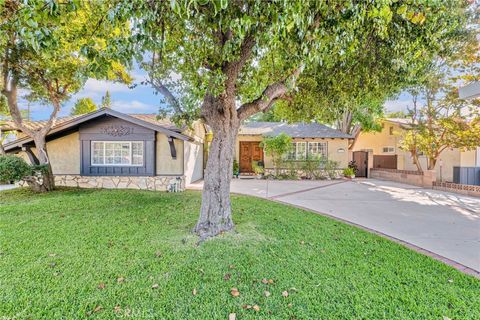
(102, 112)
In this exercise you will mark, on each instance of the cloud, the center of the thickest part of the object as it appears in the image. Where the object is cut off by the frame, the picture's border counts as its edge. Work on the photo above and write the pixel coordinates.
(134, 106)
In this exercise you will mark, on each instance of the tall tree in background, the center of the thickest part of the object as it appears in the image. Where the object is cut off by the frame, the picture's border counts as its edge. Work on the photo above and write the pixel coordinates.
(49, 49)
(440, 120)
(82, 106)
(235, 59)
(106, 101)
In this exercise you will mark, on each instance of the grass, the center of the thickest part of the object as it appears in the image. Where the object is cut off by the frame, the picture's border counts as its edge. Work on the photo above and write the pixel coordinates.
(64, 254)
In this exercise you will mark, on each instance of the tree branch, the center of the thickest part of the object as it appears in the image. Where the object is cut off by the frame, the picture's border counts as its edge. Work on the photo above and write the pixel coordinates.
(164, 91)
(269, 96)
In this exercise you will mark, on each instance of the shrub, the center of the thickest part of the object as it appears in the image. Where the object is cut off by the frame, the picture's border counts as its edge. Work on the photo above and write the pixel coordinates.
(13, 168)
(277, 147)
(257, 168)
(331, 167)
(348, 172)
(236, 168)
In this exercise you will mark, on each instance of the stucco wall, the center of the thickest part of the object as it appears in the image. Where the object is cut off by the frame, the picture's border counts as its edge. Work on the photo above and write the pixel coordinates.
(333, 145)
(375, 141)
(470, 158)
(165, 164)
(450, 158)
(64, 154)
(193, 161)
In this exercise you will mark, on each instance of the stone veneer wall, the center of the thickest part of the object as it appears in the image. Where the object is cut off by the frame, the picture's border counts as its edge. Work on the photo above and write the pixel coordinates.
(156, 183)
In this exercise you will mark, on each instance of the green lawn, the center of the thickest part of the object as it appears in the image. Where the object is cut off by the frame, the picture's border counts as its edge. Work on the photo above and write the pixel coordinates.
(113, 254)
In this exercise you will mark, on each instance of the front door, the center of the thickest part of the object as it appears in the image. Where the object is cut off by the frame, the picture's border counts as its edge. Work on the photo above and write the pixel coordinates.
(361, 160)
(249, 151)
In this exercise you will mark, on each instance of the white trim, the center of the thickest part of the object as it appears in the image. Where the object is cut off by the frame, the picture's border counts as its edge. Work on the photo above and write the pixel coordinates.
(119, 164)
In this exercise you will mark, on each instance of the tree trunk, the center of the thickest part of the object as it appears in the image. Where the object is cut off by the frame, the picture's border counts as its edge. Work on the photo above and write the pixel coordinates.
(431, 163)
(416, 161)
(2, 150)
(216, 213)
(345, 124)
(45, 179)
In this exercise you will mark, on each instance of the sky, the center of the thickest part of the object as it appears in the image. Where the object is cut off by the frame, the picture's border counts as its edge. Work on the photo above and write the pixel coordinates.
(141, 98)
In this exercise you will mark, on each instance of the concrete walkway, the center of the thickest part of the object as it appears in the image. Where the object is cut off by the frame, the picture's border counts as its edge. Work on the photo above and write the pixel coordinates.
(445, 224)
(7, 186)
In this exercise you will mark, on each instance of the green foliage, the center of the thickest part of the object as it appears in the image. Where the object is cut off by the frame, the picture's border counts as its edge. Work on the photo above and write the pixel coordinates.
(236, 167)
(397, 114)
(330, 168)
(51, 49)
(387, 58)
(277, 147)
(348, 172)
(106, 101)
(82, 106)
(327, 39)
(257, 168)
(13, 168)
(52, 244)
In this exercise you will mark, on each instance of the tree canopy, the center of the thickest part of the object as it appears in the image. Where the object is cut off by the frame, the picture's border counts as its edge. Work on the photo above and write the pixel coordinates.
(224, 61)
(49, 49)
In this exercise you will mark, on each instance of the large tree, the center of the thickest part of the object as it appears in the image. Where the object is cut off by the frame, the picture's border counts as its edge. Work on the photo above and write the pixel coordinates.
(352, 91)
(224, 61)
(49, 49)
(440, 120)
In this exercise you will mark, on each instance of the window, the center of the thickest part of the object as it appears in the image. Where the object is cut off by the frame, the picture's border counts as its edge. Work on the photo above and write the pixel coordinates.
(299, 150)
(317, 149)
(391, 131)
(388, 150)
(117, 153)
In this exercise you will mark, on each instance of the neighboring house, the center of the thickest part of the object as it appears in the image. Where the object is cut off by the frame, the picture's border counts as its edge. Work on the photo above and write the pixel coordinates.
(382, 150)
(111, 149)
(308, 139)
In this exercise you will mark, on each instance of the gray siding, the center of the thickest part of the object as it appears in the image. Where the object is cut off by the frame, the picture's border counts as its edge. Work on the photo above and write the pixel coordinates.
(114, 129)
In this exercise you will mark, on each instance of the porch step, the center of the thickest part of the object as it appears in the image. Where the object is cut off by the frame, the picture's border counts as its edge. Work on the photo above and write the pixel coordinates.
(246, 176)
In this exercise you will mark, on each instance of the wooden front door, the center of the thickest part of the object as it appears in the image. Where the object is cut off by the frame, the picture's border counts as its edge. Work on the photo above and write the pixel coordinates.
(361, 160)
(249, 151)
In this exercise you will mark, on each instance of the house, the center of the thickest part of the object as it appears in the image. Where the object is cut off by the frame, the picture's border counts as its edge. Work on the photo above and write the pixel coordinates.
(307, 138)
(111, 149)
(382, 150)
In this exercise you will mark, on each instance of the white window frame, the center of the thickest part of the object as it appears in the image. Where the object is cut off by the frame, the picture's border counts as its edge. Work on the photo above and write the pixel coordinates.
(324, 148)
(119, 164)
(296, 155)
(388, 148)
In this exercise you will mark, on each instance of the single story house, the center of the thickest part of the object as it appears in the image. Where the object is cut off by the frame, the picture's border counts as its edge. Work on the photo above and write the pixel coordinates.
(307, 138)
(107, 148)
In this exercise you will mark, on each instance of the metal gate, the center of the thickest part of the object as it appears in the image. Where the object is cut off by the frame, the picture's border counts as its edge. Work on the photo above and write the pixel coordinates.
(385, 161)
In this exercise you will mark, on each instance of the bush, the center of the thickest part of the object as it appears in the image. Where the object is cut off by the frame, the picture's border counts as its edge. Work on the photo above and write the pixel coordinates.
(236, 168)
(348, 172)
(257, 168)
(13, 168)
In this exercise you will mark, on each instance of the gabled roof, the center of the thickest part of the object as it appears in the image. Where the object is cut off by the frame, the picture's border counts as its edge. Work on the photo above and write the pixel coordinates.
(68, 123)
(296, 130)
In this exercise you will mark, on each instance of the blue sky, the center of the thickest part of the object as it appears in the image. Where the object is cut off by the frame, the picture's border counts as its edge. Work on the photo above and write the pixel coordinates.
(141, 99)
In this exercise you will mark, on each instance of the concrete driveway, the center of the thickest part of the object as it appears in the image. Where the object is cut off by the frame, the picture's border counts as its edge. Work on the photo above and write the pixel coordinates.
(443, 223)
